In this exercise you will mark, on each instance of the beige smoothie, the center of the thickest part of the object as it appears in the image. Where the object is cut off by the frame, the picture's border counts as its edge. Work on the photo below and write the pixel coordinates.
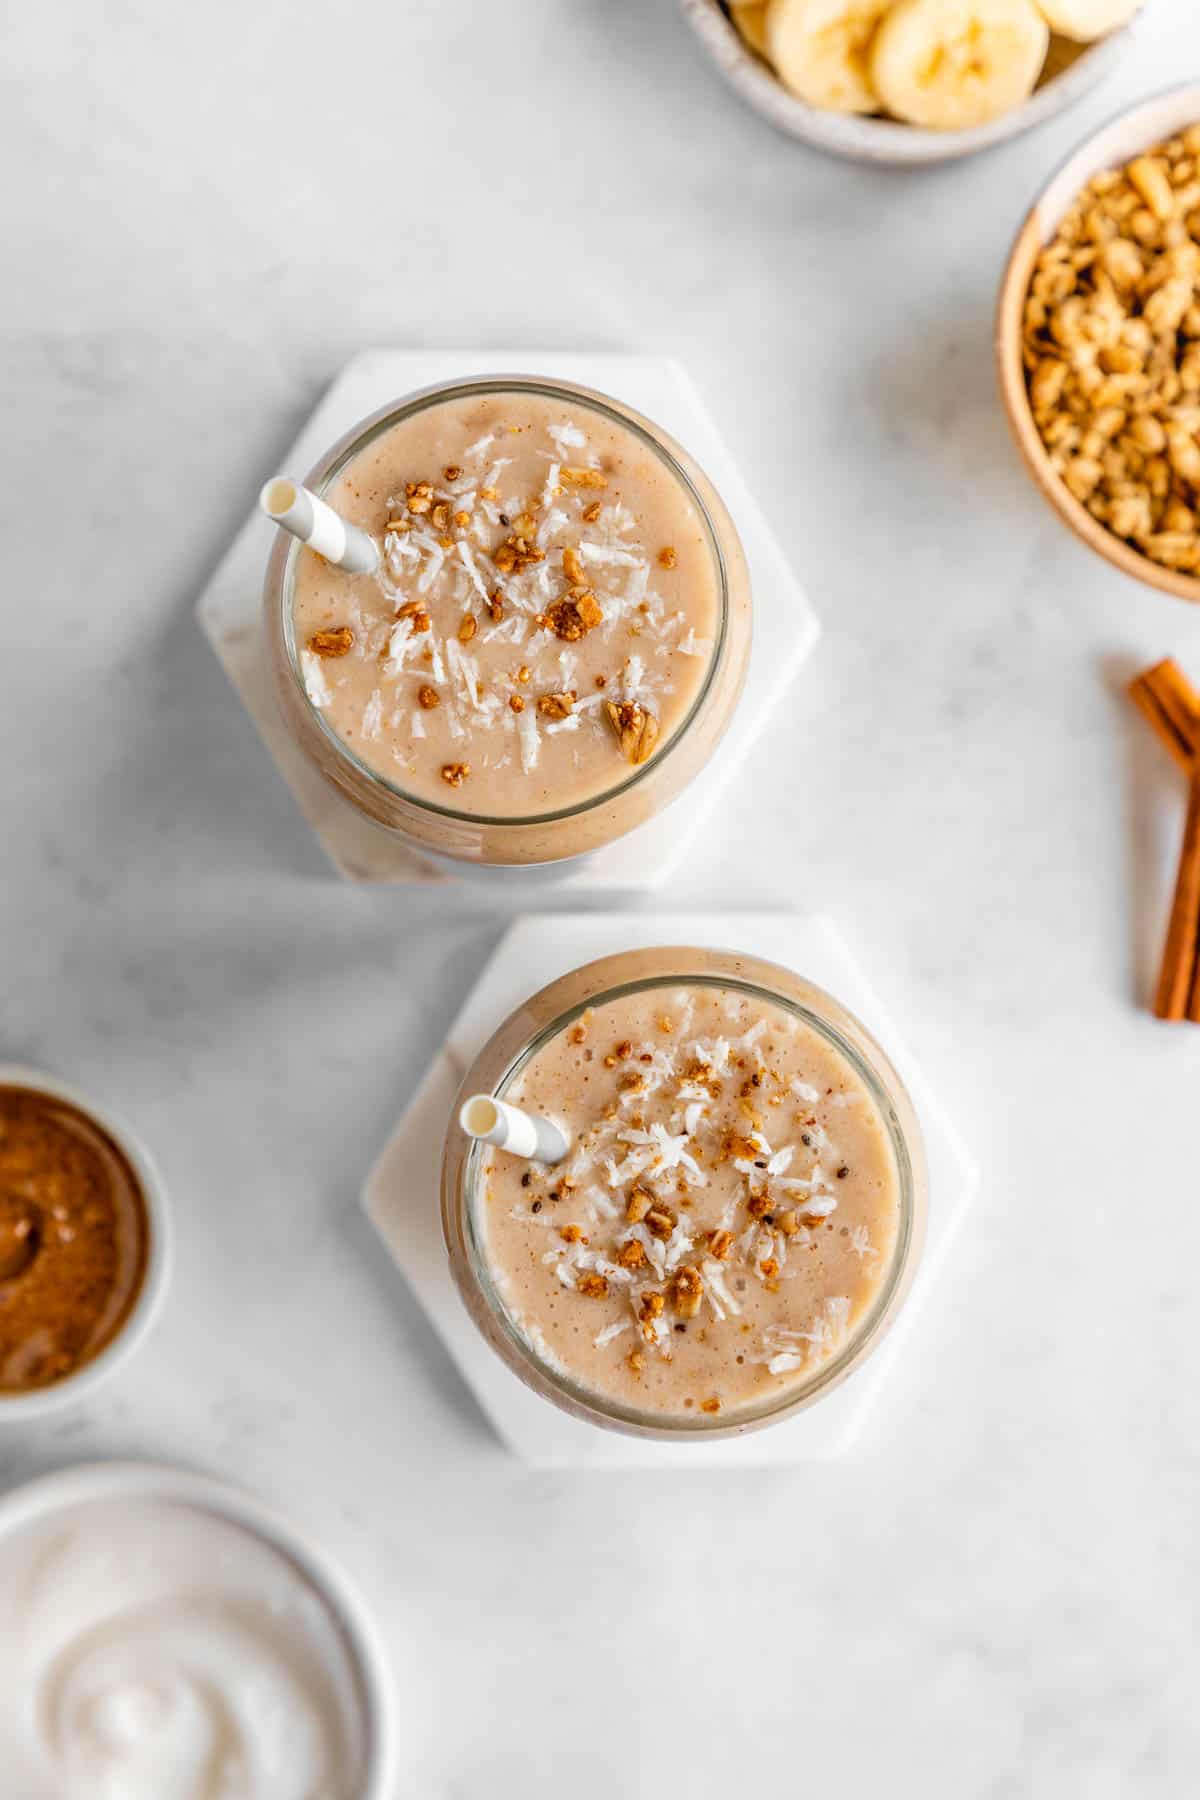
(728, 1214)
(544, 616)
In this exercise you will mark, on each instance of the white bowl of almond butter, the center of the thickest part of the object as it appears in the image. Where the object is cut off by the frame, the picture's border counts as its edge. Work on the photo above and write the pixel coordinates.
(911, 81)
(1098, 342)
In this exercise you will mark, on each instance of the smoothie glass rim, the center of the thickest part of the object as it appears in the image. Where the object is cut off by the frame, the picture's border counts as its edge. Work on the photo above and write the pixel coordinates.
(885, 1088)
(281, 577)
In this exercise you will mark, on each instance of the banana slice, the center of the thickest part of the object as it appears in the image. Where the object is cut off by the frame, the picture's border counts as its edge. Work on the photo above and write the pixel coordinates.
(820, 49)
(951, 64)
(750, 18)
(1084, 20)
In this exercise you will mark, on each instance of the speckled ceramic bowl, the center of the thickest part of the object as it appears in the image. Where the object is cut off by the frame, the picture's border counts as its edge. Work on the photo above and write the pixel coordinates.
(1072, 70)
(1149, 122)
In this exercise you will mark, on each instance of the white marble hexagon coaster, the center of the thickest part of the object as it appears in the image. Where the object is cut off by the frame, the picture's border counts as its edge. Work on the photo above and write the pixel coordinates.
(785, 626)
(401, 1193)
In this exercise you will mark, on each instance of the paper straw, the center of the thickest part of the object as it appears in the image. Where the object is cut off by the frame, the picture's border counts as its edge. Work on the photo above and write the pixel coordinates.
(317, 525)
(524, 1134)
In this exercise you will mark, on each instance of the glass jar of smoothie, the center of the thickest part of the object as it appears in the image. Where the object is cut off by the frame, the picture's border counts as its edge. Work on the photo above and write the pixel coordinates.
(740, 1211)
(554, 640)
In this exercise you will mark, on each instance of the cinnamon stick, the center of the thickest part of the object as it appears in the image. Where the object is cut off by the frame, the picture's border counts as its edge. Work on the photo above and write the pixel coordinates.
(1171, 704)
(1178, 995)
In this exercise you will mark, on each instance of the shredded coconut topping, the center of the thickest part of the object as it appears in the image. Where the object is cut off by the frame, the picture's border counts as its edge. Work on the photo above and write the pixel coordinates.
(493, 584)
(701, 1197)
(315, 683)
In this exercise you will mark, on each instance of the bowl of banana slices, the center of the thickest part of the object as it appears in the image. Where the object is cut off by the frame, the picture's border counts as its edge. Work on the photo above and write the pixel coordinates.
(911, 81)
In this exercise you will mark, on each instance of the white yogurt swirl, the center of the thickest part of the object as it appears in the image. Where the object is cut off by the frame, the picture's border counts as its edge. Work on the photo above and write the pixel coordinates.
(156, 1651)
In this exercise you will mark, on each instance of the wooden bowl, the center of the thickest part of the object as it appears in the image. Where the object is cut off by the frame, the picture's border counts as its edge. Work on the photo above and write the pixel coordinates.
(1117, 142)
(1072, 70)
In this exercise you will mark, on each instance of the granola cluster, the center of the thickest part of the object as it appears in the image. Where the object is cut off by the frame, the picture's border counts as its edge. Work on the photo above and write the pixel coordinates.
(332, 643)
(635, 727)
(1112, 351)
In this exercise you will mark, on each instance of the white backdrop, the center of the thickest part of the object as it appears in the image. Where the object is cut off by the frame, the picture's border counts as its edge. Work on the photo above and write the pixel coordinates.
(205, 210)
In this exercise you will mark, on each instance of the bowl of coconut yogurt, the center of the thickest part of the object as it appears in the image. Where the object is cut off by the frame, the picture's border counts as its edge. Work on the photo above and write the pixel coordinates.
(165, 1637)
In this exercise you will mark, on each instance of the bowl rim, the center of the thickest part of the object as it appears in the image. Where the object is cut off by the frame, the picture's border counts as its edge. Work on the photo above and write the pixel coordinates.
(81, 1484)
(867, 138)
(1169, 109)
(75, 1388)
